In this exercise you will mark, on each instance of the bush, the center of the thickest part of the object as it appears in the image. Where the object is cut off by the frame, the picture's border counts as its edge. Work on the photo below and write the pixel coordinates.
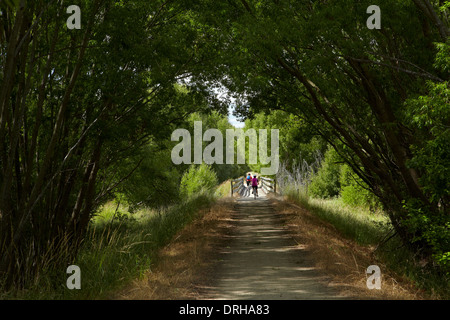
(355, 192)
(152, 183)
(428, 116)
(430, 227)
(326, 182)
(198, 179)
(114, 253)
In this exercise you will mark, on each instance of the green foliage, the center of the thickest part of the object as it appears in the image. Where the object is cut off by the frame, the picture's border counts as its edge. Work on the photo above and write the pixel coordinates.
(9, 3)
(355, 192)
(442, 60)
(355, 223)
(326, 182)
(432, 228)
(153, 180)
(116, 251)
(430, 116)
(199, 178)
(319, 62)
(298, 141)
(216, 120)
(81, 109)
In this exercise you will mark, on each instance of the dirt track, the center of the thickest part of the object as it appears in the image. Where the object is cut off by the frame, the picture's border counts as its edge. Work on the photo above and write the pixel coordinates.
(262, 260)
(268, 248)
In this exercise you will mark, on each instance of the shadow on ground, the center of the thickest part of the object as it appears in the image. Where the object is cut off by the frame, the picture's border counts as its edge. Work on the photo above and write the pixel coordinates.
(262, 261)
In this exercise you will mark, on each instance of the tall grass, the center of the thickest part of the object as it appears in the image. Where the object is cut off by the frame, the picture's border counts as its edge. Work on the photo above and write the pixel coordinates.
(369, 228)
(119, 246)
(358, 223)
(223, 190)
(299, 176)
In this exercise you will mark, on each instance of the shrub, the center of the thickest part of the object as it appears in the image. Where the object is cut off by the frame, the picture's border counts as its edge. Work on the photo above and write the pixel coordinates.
(428, 116)
(199, 178)
(355, 192)
(430, 227)
(326, 182)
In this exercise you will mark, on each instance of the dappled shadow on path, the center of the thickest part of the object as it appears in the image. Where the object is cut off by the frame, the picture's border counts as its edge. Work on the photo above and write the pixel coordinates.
(262, 260)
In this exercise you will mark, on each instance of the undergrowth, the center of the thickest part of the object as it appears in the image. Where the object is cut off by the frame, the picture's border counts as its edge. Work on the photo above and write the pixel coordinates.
(373, 228)
(119, 246)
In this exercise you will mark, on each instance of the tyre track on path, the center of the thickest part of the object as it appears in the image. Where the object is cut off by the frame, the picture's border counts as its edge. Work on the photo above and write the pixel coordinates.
(263, 261)
(263, 249)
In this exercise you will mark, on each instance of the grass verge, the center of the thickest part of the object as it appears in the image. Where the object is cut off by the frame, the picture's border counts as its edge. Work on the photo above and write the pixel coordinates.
(372, 229)
(119, 246)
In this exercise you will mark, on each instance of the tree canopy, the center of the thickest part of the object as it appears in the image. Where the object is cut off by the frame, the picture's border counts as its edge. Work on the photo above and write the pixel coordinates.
(379, 97)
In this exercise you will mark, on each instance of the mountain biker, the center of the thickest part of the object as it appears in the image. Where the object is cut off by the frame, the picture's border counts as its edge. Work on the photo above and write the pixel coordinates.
(255, 185)
(249, 179)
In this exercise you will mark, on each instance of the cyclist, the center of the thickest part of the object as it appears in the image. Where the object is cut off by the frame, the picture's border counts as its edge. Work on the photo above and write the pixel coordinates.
(255, 186)
(249, 179)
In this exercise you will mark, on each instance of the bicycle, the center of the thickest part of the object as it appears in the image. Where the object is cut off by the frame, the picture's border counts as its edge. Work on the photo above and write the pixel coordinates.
(255, 186)
(255, 191)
